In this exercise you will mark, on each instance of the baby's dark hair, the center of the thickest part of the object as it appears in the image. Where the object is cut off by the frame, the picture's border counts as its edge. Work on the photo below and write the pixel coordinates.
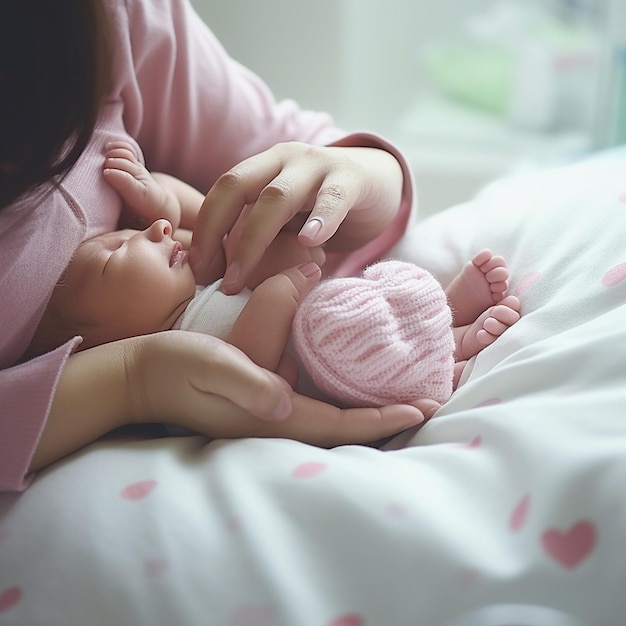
(53, 331)
(55, 73)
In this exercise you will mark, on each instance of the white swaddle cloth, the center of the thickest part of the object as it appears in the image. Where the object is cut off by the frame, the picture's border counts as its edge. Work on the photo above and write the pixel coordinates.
(212, 312)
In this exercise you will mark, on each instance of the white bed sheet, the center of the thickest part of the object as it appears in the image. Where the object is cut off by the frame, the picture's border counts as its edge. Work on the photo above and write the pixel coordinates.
(512, 495)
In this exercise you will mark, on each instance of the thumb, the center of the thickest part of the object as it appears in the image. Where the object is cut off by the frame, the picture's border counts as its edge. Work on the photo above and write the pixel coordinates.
(287, 288)
(304, 277)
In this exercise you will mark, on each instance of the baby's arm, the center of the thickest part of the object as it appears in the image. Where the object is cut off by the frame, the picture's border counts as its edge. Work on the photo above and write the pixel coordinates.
(264, 325)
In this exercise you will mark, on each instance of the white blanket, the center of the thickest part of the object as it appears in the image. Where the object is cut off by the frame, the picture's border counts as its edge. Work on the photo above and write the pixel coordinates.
(506, 509)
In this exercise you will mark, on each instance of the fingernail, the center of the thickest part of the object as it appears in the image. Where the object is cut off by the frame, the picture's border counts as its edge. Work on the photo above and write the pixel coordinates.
(232, 274)
(283, 409)
(309, 269)
(311, 228)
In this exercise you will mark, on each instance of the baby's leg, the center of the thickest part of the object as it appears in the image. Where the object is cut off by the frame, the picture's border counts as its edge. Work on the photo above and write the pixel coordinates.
(472, 338)
(141, 192)
(480, 284)
(263, 327)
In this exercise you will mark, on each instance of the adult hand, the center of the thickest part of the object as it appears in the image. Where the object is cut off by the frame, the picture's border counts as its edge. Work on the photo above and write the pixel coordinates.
(177, 376)
(347, 194)
(199, 382)
(318, 423)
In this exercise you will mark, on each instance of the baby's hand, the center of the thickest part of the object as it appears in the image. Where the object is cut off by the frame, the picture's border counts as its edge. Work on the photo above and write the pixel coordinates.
(284, 252)
(145, 199)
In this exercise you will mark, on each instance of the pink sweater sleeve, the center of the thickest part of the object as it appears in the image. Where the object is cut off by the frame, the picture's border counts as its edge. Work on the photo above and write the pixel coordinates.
(25, 425)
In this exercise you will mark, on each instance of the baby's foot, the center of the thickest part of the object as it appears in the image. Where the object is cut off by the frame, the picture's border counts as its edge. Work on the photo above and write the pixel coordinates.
(481, 283)
(472, 338)
(141, 193)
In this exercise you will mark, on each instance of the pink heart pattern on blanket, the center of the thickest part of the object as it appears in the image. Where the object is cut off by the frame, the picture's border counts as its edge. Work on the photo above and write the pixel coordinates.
(571, 547)
(615, 275)
(519, 514)
(308, 469)
(9, 598)
(138, 490)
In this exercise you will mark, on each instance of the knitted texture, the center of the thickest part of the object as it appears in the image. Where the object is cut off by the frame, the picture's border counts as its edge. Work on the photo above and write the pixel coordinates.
(380, 339)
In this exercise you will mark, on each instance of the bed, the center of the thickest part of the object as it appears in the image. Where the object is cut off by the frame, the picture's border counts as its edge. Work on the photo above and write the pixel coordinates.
(507, 509)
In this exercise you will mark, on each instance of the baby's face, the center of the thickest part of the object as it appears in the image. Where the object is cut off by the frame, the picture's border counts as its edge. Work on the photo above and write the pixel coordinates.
(126, 283)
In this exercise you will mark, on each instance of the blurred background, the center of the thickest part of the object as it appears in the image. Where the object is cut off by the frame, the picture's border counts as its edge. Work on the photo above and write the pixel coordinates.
(469, 89)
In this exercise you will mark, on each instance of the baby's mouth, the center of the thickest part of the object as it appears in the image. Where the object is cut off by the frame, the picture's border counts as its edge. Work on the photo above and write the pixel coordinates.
(179, 254)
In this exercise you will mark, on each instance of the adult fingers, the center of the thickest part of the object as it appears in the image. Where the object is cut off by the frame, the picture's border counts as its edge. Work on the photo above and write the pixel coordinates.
(182, 372)
(316, 182)
(318, 423)
(337, 194)
(224, 203)
(322, 424)
(252, 202)
(279, 201)
(235, 377)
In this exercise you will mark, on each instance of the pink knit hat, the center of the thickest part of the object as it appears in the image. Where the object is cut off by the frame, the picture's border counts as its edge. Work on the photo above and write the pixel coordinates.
(384, 338)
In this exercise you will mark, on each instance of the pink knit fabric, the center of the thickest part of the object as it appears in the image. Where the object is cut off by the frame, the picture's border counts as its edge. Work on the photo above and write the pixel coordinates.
(379, 339)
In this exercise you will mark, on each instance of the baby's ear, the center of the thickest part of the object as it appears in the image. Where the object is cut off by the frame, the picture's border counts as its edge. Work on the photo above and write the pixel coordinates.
(63, 278)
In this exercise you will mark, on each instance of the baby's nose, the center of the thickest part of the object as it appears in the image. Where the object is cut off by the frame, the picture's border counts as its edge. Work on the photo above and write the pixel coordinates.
(159, 229)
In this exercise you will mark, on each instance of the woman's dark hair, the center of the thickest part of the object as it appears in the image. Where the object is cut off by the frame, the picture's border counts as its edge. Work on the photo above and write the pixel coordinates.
(54, 75)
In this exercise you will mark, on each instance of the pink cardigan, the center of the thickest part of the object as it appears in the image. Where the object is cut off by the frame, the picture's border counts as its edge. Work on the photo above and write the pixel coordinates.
(195, 112)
